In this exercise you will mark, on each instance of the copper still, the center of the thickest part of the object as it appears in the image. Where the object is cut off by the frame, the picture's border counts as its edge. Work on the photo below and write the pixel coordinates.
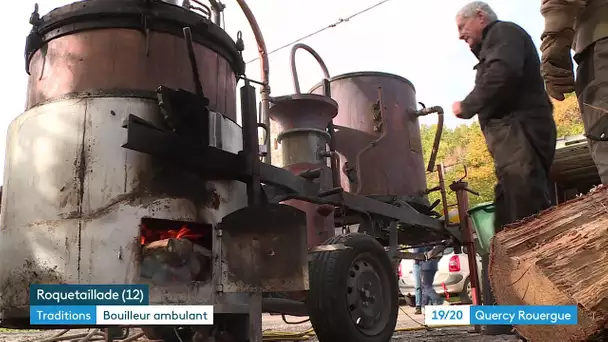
(377, 134)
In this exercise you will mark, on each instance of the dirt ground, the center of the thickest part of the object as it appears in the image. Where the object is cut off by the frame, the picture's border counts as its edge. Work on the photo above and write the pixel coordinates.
(407, 319)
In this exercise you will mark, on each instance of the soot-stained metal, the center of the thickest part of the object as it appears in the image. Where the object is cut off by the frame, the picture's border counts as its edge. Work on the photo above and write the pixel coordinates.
(278, 184)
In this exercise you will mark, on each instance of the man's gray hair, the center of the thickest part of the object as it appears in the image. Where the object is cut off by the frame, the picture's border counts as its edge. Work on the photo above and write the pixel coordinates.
(469, 10)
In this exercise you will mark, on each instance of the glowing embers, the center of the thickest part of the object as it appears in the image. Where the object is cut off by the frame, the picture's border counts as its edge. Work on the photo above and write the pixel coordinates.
(175, 251)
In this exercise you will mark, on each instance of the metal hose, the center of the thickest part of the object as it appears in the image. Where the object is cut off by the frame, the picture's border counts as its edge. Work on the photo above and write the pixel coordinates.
(292, 62)
(426, 111)
(265, 70)
(372, 144)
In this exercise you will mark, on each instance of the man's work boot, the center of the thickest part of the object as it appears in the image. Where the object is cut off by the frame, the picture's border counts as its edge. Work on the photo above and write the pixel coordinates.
(418, 311)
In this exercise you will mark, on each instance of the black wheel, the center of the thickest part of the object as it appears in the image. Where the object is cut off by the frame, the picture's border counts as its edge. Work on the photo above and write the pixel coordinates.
(353, 293)
(466, 296)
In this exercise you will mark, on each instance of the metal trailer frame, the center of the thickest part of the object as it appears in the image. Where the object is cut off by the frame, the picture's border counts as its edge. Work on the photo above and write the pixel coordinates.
(184, 142)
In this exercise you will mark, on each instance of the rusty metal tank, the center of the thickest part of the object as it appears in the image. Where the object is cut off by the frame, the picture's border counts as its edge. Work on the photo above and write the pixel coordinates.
(301, 122)
(128, 47)
(74, 202)
(303, 119)
(376, 135)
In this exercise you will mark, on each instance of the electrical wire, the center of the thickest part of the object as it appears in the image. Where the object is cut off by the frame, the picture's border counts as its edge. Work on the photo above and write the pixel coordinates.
(340, 21)
(412, 318)
(297, 322)
(306, 335)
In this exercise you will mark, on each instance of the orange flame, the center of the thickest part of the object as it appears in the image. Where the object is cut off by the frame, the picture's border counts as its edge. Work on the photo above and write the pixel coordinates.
(183, 233)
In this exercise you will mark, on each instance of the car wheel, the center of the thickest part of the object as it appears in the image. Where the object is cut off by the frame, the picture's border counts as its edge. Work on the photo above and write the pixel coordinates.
(467, 292)
(353, 292)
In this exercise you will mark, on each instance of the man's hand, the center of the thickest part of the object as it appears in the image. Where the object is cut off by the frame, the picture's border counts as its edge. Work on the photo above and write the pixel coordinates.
(556, 64)
(457, 109)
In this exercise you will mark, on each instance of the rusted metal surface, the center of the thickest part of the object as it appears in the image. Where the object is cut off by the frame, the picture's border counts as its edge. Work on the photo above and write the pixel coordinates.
(303, 121)
(73, 200)
(267, 249)
(396, 166)
(116, 54)
(462, 198)
(319, 218)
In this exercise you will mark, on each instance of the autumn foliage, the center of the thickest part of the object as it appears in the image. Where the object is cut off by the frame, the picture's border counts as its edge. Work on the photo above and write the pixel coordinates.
(465, 145)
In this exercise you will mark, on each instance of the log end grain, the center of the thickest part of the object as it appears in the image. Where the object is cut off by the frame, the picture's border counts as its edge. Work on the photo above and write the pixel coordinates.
(559, 257)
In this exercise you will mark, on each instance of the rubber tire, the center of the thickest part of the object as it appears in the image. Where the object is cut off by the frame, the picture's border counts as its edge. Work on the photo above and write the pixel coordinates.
(327, 302)
(464, 296)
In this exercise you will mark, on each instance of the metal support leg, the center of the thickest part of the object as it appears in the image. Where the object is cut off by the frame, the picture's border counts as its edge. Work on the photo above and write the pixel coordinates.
(251, 152)
(462, 198)
(393, 237)
(255, 317)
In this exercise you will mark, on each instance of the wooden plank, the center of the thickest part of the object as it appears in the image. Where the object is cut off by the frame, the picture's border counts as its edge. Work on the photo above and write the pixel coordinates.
(559, 257)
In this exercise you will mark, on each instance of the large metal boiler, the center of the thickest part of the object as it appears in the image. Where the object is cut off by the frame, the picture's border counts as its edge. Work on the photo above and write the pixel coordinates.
(77, 207)
(376, 134)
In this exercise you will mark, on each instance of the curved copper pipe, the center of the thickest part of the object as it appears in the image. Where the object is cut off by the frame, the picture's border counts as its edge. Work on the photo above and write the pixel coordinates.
(426, 111)
(292, 62)
(372, 144)
(265, 69)
(438, 133)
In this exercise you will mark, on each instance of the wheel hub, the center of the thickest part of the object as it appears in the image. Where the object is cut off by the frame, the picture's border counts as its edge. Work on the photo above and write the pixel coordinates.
(365, 296)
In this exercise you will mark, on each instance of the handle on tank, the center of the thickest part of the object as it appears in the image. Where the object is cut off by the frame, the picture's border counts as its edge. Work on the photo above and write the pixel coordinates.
(218, 9)
(426, 111)
(292, 62)
(198, 86)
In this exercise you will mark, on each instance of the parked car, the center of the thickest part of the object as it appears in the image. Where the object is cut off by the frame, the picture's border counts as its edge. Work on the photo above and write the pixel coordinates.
(453, 273)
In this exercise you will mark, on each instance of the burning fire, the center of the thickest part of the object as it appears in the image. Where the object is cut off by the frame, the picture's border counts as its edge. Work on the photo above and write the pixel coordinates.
(149, 235)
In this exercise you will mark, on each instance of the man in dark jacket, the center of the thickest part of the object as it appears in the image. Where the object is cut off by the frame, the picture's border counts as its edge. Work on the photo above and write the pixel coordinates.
(514, 111)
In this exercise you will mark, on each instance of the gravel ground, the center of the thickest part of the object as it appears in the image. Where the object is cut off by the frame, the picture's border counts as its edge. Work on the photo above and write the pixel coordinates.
(407, 319)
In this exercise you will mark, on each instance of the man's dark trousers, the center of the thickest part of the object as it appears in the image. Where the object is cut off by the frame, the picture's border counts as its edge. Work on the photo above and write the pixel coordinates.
(592, 93)
(522, 145)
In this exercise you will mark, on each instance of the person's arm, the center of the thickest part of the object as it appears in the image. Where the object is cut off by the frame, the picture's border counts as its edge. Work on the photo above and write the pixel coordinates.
(559, 16)
(504, 61)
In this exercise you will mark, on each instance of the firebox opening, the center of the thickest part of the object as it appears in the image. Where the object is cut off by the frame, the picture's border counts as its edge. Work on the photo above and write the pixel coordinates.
(175, 251)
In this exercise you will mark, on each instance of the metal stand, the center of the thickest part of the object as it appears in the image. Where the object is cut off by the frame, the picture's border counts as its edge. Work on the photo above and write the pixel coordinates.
(461, 189)
(255, 317)
(254, 191)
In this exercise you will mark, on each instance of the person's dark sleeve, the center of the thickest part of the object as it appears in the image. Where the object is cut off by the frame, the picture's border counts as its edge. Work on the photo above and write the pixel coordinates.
(504, 62)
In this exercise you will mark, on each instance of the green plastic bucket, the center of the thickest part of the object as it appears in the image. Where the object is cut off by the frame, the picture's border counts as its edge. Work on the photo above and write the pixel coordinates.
(482, 216)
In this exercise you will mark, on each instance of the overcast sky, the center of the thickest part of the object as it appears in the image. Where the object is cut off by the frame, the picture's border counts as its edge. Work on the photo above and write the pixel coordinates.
(414, 39)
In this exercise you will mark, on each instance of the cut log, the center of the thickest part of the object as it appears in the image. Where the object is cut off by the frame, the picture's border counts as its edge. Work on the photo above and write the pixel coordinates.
(559, 257)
